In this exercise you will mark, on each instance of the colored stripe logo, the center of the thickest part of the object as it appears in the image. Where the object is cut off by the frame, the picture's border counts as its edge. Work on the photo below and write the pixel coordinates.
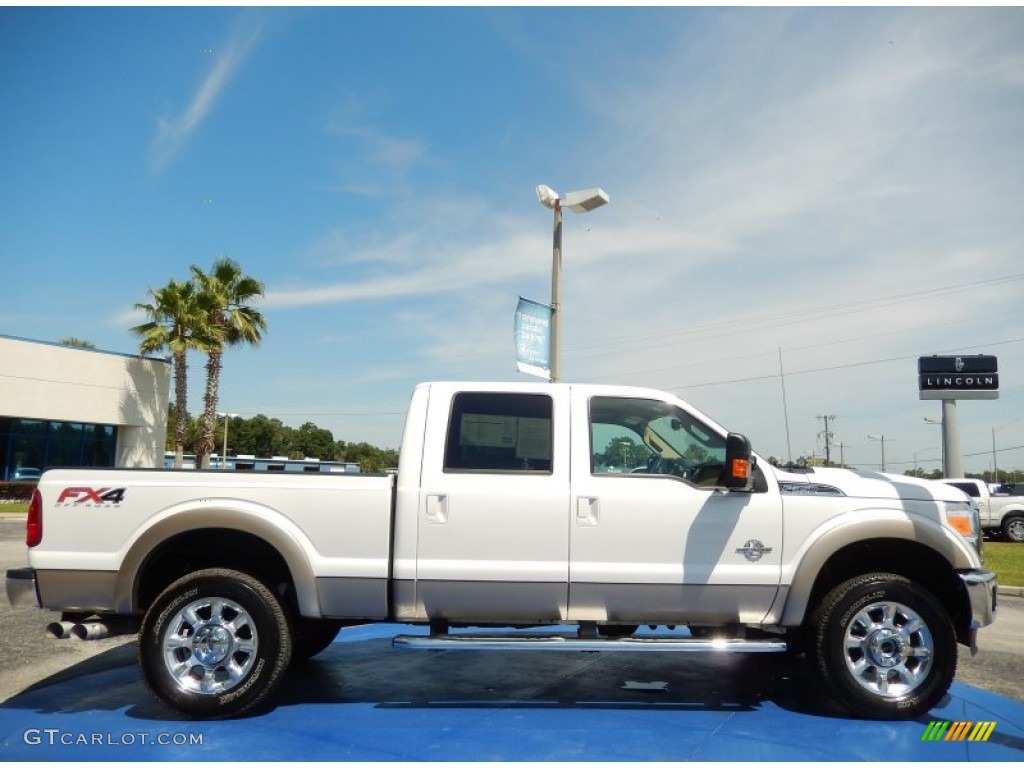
(962, 730)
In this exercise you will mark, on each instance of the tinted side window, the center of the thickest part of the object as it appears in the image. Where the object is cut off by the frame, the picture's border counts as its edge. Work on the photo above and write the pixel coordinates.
(499, 432)
(638, 436)
(969, 488)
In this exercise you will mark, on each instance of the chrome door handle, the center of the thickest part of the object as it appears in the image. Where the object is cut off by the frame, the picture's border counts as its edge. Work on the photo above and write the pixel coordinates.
(437, 508)
(588, 510)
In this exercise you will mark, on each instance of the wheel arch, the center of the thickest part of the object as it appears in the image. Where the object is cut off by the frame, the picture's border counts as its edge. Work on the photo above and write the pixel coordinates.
(919, 550)
(217, 536)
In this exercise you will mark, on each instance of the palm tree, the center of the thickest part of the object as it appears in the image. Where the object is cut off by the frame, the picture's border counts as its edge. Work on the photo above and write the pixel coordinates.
(74, 341)
(224, 293)
(178, 322)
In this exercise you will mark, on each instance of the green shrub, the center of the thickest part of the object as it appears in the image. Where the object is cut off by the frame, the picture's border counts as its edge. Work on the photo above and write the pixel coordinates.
(19, 490)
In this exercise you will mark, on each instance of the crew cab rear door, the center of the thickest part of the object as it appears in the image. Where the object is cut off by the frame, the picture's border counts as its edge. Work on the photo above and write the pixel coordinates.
(493, 517)
(652, 539)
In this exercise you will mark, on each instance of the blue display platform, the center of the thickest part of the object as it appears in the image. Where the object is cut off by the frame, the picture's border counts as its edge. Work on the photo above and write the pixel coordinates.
(363, 700)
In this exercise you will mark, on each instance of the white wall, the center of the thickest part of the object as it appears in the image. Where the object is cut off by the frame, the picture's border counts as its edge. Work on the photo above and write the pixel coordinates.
(51, 381)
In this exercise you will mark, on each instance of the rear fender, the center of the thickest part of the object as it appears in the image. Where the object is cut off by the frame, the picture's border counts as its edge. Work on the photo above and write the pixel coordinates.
(233, 514)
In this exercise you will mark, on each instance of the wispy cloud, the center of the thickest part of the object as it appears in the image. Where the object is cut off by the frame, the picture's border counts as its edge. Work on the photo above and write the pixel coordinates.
(381, 147)
(776, 185)
(456, 267)
(173, 133)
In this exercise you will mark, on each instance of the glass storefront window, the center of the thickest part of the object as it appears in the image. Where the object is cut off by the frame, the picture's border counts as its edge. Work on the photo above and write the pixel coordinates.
(31, 445)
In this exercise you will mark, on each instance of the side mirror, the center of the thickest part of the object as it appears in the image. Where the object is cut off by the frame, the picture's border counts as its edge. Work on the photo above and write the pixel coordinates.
(737, 475)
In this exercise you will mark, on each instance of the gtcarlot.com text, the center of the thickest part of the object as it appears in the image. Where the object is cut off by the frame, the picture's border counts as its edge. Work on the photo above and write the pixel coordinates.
(56, 737)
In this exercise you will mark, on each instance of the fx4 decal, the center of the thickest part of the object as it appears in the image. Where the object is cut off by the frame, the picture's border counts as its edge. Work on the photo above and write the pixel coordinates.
(97, 497)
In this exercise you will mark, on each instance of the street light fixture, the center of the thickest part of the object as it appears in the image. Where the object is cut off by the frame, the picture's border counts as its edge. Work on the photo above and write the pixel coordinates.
(224, 455)
(580, 201)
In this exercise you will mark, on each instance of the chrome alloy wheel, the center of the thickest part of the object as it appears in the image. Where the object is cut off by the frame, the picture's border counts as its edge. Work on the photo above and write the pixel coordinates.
(209, 645)
(888, 649)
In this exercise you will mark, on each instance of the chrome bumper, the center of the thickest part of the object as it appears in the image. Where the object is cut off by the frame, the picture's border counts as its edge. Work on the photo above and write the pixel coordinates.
(22, 591)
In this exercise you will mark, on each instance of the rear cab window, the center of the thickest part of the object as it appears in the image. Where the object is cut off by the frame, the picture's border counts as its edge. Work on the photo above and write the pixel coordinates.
(969, 488)
(499, 432)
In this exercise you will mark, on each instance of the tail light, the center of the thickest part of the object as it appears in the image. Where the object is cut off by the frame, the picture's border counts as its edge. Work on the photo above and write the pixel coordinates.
(34, 526)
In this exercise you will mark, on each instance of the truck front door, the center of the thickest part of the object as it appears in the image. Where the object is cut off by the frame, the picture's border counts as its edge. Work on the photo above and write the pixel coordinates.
(653, 540)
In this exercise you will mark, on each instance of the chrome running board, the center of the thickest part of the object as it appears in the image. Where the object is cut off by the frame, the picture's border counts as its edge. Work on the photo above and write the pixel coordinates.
(572, 643)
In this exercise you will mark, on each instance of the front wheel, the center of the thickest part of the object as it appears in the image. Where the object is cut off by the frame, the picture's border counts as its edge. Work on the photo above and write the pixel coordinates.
(883, 647)
(214, 644)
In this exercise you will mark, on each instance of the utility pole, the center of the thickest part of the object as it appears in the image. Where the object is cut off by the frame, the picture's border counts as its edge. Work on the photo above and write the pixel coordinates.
(842, 456)
(828, 437)
(882, 439)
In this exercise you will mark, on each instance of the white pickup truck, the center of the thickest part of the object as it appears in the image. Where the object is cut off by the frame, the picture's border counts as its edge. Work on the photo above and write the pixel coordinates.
(597, 508)
(1001, 515)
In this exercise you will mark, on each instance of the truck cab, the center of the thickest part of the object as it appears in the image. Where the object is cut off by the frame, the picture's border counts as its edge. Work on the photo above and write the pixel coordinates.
(564, 495)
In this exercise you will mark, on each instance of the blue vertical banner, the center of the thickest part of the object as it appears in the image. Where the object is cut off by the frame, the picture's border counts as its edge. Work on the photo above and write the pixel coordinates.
(533, 338)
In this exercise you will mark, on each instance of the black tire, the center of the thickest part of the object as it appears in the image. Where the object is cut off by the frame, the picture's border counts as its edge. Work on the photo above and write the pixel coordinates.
(883, 647)
(617, 630)
(214, 644)
(1013, 528)
(705, 633)
(311, 636)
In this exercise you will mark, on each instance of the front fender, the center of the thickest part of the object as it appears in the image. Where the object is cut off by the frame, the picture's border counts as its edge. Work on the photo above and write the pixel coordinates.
(862, 526)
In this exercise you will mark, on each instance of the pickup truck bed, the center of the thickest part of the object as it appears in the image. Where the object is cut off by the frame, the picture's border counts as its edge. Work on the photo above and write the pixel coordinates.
(99, 559)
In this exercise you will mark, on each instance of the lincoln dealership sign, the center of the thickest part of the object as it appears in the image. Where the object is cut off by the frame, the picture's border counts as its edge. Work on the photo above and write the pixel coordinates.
(969, 377)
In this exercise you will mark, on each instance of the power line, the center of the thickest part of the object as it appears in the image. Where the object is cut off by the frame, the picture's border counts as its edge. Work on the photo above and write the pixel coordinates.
(790, 317)
(839, 366)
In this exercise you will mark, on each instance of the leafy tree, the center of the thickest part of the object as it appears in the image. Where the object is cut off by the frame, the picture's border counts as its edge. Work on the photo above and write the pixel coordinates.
(696, 455)
(369, 457)
(933, 474)
(311, 440)
(260, 436)
(624, 452)
(225, 293)
(177, 322)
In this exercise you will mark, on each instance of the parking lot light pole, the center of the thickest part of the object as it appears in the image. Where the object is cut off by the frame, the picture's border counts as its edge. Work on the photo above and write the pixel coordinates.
(227, 419)
(580, 201)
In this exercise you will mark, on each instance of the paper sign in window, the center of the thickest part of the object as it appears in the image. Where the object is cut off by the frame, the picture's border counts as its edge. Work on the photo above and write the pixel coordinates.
(534, 441)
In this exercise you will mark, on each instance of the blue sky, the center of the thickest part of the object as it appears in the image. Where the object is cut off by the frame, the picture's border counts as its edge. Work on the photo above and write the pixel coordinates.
(843, 184)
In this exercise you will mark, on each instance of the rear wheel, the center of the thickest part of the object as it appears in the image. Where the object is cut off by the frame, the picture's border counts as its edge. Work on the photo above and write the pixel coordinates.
(214, 644)
(883, 647)
(1013, 528)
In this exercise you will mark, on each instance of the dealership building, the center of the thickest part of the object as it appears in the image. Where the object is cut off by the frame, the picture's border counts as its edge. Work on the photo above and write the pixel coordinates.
(63, 406)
